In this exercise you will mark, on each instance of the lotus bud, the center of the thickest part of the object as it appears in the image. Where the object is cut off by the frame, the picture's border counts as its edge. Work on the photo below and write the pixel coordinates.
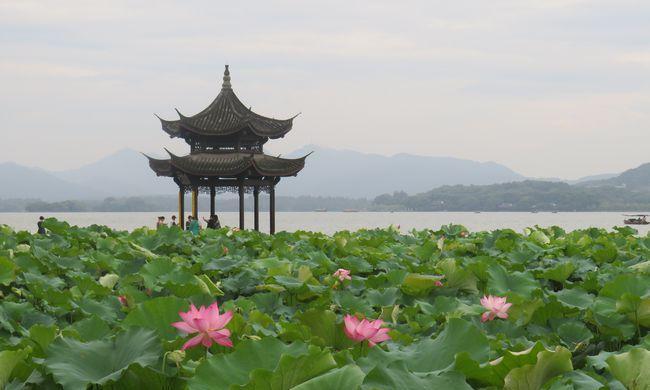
(176, 356)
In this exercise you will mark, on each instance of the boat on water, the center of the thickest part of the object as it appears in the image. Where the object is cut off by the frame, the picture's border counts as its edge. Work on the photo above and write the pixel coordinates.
(320, 210)
(636, 219)
(350, 211)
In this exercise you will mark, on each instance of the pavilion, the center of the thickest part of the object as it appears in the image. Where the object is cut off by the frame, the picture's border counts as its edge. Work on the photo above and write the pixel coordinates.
(227, 154)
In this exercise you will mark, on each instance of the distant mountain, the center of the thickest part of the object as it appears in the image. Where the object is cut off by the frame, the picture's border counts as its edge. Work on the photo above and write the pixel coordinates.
(636, 179)
(526, 195)
(330, 172)
(125, 173)
(602, 176)
(23, 182)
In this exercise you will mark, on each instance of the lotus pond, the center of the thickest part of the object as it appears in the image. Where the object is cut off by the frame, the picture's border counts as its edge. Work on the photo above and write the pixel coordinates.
(372, 309)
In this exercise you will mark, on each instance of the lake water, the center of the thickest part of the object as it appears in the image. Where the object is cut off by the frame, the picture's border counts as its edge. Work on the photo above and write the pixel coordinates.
(329, 222)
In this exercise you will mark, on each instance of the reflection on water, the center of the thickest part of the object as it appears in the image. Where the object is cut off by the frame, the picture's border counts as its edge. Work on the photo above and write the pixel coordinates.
(329, 222)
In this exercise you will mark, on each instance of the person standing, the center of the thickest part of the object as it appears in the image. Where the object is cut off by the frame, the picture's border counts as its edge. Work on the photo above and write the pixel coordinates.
(41, 228)
(213, 222)
(194, 226)
(189, 221)
(161, 222)
(174, 221)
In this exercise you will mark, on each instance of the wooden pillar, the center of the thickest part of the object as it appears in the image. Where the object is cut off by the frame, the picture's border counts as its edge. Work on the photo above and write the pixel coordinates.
(181, 207)
(213, 194)
(272, 209)
(241, 205)
(195, 202)
(256, 206)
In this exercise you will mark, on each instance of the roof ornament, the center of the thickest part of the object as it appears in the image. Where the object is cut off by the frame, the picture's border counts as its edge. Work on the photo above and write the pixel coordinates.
(226, 79)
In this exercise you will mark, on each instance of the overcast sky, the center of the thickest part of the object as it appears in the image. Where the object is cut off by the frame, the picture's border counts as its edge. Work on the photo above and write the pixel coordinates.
(547, 87)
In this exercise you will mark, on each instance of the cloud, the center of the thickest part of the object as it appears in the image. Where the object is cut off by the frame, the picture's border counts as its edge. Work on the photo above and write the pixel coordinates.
(513, 81)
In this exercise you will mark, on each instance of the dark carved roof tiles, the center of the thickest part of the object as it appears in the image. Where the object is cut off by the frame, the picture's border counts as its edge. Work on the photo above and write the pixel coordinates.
(227, 115)
(227, 165)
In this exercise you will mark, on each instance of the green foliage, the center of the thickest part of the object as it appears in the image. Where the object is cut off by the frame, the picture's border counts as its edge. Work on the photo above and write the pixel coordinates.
(580, 310)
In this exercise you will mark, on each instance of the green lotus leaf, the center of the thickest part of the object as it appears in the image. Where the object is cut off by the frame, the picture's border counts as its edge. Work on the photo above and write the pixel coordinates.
(158, 314)
(573, 333)
(8, 361)
(346, 377)
(75, 364)
(325, 330)
(540, 237)
(575, 380)
(293, 370)
(632, 368)
(7, 271)
(419, 284)
(397, 376)
(494, 372)
(560, 272)
(532, 377)
(109, 281)
(91, 328)
(502, 282)
(574, 298)
(226, 370)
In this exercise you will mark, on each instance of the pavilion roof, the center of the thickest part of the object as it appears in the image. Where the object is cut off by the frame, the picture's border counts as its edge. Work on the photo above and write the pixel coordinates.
(230, 164)
(227, 115)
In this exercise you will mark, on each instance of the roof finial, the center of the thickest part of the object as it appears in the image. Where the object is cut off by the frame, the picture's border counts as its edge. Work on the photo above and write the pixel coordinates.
(226, 79)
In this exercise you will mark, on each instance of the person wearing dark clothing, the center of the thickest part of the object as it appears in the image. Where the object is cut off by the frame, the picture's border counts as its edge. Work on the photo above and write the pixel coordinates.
(213, 222)
(41, 229)
(189, 221)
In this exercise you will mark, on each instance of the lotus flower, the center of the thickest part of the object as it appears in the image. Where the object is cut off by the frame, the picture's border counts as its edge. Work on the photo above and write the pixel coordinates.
(365, 330)
(342, 274)
(497, 307)
(123, 300)
(209, 325)
(438, 283)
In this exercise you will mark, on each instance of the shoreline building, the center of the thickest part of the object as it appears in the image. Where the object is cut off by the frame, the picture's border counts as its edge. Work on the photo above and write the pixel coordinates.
(226, 142)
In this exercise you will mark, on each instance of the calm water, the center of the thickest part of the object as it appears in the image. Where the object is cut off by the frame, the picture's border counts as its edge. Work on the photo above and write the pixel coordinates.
(330, 222)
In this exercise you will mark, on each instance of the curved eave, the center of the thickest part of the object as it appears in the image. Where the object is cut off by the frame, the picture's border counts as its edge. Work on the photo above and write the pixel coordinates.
(276, 166)
(170, 127)
(235, 164)
(159, 166)
(256, 126)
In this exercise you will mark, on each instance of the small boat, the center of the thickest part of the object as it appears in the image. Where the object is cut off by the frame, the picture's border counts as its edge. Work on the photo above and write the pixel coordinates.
(637, 219)
(320, 210)
(350, 211)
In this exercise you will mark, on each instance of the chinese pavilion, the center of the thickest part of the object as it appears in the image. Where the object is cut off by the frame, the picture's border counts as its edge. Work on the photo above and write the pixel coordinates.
(226, 154)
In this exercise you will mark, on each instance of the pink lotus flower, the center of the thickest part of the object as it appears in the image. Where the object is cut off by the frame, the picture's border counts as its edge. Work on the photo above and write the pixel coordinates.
(209, 325)
(438, 283)
(365, 330)
(123, 300)
(342, 274)
(497, 307)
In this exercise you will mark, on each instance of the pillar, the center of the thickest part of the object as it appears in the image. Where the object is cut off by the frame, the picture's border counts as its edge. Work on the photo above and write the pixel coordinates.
(241, 205)
(256, 207)
(195, 202)
(272, 209)
(213, 194)
(181, 207)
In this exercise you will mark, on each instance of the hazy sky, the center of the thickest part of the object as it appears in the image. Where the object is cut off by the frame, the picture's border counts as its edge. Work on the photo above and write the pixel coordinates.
(546, 87)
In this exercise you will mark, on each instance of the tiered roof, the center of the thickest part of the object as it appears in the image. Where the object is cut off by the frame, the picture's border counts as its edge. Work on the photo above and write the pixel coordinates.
(227, 122)
(226, 116)
(227, 165)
